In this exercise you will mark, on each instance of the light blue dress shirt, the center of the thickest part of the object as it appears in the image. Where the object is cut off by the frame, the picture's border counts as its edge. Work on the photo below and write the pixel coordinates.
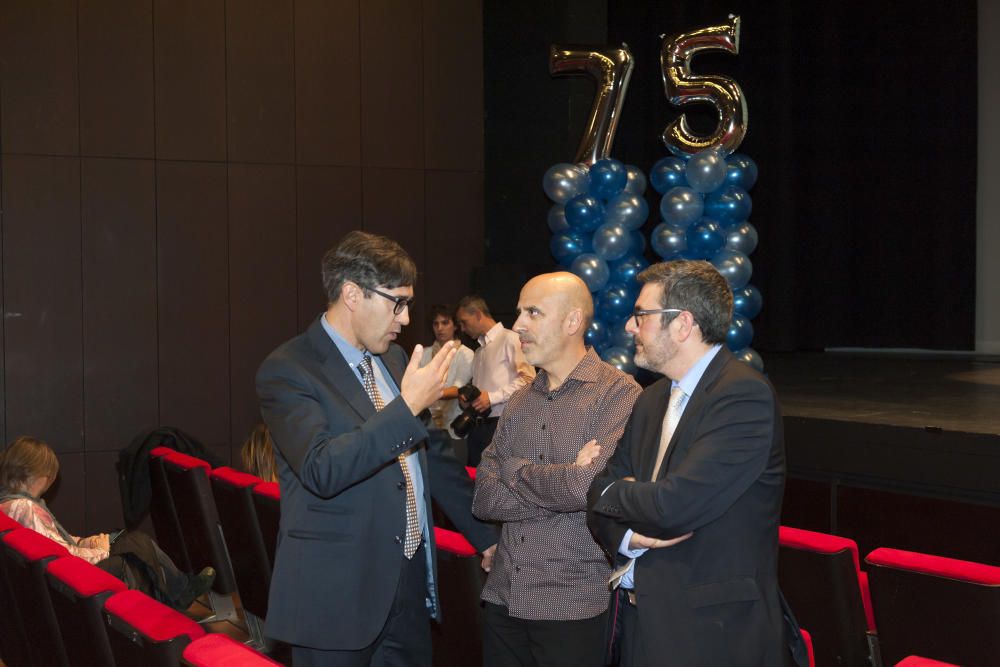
(688, 383)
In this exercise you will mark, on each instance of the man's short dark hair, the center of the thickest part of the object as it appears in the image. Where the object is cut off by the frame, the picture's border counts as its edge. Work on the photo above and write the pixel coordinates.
(368, 260)
(474, 302)
(697, 287)
(441, 310)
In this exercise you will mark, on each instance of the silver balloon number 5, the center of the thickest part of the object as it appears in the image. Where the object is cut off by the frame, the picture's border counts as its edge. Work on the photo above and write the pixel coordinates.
(684, 87)
(611, 70)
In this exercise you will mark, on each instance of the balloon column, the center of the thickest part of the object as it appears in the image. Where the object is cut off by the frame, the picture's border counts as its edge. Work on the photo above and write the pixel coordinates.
(595, 221)
(705, 209)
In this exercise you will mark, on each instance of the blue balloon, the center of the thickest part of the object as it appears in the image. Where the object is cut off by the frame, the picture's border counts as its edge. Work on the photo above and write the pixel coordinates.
(592, 270)
(638, 246)
(565, 247)
(619, 337)
(740, 333)
(607, 178)
(741, 237)
(704, 239)
(584, 213)
(741, 171)
(564, 181)
(734, 266)
(557, 219)
(749, 355)
(705, 171)
(627, 268)
(628, 210)
(611, 242)
(620, 358)
(669, 241)
(669, 172)
(680, 206)
(596, 334)
(614, 302)
(636, 180)
(729, 205)
(747, 301)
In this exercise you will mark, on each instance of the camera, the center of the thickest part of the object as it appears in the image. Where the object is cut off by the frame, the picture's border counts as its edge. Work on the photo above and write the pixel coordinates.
(462, 424)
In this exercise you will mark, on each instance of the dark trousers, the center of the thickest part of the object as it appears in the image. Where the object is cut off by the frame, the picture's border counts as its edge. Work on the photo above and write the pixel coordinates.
(516, 642)
(405, 641)
(480, 438)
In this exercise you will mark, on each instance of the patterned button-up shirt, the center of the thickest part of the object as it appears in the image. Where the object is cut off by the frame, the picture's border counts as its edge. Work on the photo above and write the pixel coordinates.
(547, 565)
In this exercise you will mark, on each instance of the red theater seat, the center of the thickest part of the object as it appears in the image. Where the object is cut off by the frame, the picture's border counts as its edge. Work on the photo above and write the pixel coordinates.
(471, 471)
(917, 661)
(453, 543)
(145, 633)
(807, 639)
(267, 503)
(821, 578)
(217, 650)
(166, 524)
(942, 608)
(78, 590)
(15, 650)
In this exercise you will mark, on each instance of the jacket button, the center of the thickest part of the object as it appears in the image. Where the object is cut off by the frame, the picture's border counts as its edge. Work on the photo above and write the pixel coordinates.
(400, 485)
(397, 539)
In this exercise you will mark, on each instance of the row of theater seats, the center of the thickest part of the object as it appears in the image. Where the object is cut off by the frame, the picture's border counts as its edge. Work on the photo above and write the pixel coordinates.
(908, 609)
(229, 520)
(59, 610)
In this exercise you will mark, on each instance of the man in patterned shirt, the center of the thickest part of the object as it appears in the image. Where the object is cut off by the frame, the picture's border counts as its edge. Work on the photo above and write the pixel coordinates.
(546, 597)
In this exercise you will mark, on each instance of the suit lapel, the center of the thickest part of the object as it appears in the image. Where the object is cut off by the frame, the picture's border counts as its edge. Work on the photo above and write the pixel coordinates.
(341, 378)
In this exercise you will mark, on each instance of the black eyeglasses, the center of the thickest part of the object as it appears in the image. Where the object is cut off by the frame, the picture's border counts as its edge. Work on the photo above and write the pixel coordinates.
(400, 301)
(637, 313)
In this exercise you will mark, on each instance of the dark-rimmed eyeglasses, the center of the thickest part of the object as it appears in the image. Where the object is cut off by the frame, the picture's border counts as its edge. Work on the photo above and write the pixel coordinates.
(637, 313)
(400, 301)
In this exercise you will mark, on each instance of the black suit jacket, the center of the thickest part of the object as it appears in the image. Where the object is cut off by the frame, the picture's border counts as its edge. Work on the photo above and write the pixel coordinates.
(343, 498)
(713, 599)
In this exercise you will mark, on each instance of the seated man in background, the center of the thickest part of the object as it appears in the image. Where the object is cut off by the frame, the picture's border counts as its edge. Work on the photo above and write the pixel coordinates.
(445, 409)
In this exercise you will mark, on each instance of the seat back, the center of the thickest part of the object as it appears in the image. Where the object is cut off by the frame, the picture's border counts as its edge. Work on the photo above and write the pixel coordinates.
(25, 554)
(251, 565)
(194, 504)
(822, 581)
(218, 649)
(267, 502)
(941, 608)
(144, 633)
(78, 590)
(166, 524)
(14, 648)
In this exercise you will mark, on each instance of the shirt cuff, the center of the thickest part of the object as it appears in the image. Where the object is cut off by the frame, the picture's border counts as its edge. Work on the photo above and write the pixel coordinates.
(624, 550)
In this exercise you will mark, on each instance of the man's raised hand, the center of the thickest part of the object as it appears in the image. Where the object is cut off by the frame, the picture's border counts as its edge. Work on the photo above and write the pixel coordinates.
(422, 386)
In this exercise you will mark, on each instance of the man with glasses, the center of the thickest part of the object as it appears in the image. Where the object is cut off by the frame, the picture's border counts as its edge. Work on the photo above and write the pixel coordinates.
(354, 579)
(689, 504)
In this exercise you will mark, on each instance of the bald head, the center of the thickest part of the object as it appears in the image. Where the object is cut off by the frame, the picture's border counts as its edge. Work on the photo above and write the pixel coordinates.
(568, 291)
(554, 311)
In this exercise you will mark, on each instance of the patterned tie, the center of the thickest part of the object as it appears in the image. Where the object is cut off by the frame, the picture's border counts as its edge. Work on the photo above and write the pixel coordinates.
(670, 420)
(412, 524)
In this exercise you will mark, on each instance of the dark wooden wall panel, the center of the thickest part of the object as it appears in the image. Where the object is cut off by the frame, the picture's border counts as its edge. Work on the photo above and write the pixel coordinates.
(40, 108)
(116, 78)
(41, 269)
(327, 82)
(394, 207)
(329, 205)
(392, 132)
(454, 215)
(65, 497)
(190, 57)
(262, 292)
(119, 300)
(193, 286)
(104, 503)
(453, 85)
(260, 104)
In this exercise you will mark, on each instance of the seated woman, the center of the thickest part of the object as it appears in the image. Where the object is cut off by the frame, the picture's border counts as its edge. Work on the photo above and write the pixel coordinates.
(27, 470)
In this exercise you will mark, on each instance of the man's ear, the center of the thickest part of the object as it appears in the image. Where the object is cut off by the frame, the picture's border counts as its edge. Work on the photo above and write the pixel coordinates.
(351, 294)
(574, 321)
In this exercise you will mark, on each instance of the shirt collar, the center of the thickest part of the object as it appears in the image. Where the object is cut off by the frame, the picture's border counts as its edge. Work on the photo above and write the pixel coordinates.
(693, 376)
(491, 335)
(352, 355)
(587, 370)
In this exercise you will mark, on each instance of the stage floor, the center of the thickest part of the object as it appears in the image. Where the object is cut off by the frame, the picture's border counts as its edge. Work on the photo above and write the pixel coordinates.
(948, 392)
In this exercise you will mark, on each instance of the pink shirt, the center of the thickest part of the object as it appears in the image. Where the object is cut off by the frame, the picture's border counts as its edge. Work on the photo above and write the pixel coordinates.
(499, 367)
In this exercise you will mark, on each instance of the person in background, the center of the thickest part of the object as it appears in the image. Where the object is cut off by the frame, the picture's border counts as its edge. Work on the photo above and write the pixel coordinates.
(257, 454)
(27, 470)
(498, 370)
(444, 410)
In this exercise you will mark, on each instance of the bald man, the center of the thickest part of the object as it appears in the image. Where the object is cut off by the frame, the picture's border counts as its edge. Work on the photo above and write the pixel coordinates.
(546, 597)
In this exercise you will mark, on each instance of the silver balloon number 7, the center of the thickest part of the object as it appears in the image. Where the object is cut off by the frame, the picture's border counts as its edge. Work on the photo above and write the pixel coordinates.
(611, 69)
(684, 87)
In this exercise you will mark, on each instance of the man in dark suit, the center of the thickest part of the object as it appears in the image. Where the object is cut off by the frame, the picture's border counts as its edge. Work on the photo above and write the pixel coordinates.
(354, 579)
(689, 504)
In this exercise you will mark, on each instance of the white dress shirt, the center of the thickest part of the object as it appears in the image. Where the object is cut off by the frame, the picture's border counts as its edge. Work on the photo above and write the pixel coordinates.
(444, 411)
(499, 367)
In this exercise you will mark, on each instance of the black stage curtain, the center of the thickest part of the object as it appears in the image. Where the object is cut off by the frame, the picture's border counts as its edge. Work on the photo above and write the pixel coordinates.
(863, 125)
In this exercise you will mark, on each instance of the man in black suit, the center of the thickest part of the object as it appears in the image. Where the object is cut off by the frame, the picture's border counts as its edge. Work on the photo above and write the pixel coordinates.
(689, 504)
(354, 579)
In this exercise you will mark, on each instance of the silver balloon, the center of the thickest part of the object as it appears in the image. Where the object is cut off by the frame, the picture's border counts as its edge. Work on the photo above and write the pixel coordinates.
(628, 210)
(734, 266)
(636, 180)
(611, 69)
(564, 181)
(557, 219)
(742, 238)
(684, 87)
(748, 355)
